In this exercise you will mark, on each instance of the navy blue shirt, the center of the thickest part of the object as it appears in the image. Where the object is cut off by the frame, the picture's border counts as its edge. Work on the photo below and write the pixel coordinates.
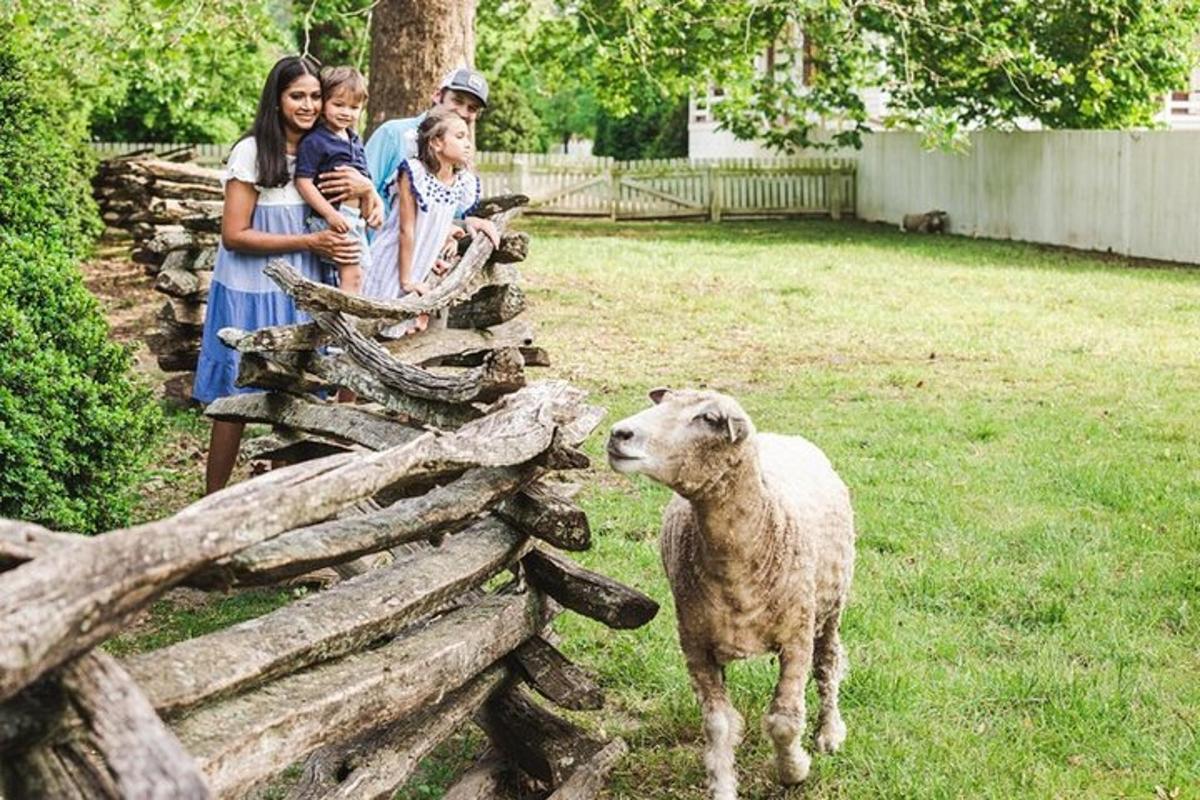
(322, 151)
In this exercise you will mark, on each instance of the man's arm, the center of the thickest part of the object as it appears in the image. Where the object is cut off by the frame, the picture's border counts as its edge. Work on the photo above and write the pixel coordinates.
(383, 155)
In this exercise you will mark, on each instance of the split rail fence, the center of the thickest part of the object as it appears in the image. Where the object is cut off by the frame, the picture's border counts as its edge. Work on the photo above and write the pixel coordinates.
(443, 476)
(679, 188)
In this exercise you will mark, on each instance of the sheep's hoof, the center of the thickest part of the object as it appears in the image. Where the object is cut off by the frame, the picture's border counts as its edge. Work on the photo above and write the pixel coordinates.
(793, 768)
(831, 736)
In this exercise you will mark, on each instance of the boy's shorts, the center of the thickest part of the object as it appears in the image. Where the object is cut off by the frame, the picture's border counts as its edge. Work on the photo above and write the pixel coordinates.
(358, 231)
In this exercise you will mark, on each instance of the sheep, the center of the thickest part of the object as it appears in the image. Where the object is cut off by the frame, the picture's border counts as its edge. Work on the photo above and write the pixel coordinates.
(758, 546)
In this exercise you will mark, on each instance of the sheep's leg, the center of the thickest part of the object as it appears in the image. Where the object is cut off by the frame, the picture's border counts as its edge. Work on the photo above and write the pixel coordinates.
(722, 725)
(829, 667)
(785, 722)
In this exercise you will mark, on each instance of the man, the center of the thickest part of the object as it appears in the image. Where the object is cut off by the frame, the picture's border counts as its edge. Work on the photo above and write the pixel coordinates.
(463, 90)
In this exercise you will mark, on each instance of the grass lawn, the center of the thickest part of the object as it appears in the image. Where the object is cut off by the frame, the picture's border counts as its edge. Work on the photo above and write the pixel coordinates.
(1017, 426)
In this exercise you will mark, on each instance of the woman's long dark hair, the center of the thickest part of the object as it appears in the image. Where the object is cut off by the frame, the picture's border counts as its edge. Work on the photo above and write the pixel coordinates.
(268, 122)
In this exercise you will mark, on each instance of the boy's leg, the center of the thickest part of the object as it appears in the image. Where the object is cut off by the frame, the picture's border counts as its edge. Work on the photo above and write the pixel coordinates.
(351, 278)
(329, 273)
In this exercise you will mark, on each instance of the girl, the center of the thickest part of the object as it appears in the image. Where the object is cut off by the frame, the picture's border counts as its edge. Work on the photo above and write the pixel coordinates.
(263, 217)
(426, 194)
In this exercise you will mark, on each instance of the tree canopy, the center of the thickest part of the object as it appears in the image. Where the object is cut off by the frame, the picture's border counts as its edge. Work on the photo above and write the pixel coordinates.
(945, 65)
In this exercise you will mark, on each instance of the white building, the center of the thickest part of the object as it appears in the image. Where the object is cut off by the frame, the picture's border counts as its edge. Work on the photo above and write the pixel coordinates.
(1181, 111)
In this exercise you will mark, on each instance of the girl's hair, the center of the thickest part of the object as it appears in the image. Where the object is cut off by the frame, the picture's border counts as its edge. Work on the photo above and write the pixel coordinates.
(334, 78)
(437, 121)
(268, 122)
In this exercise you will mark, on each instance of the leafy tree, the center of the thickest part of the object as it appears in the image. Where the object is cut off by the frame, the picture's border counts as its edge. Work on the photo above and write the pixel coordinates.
(148, 70)
(659, 131)
(335, 32)
(945, 64)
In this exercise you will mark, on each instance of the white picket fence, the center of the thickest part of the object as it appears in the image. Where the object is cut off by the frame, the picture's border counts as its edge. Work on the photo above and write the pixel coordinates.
(593, 186)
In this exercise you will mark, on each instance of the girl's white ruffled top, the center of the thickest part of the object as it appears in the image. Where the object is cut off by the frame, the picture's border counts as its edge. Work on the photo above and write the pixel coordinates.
(437, 205)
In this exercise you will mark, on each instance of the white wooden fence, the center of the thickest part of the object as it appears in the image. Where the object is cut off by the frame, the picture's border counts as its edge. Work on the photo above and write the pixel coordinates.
(1128, 192)
(571, 186)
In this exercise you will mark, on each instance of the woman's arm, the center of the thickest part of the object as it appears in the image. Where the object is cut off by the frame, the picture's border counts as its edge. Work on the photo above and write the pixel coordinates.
(317, 202)
(408, 239)
(237, 233)
(344, 182)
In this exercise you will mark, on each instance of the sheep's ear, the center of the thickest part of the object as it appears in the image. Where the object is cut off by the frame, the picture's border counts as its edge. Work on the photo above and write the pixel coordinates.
(738, 427)
(657, 395)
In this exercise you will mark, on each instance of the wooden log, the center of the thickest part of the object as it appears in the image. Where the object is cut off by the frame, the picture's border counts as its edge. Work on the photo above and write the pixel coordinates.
(183, 314)
(176, 238)
(178, 259)
(312, 296)
(202, 223)
(376, 766)
(178, 172)
(143, 755)
(491, 206)
(489, 306)
(343, 619)
(244, 739)
(63, 771)
(181, 361)
(483, 780)
(260, 373)
(178, 388)
(28, 720)
(342, 371)
(588, 779)
(289, 447)
(514, 248)
(183, 283)
(58, 606)
(588, 593)
(22, 541)
(532, 356)
(421, 349)
(189, 190)
(206, 259)
(501, 373)
(442, 510)
(543, 744)
(539, 511)
(343, 421)
(555, 678)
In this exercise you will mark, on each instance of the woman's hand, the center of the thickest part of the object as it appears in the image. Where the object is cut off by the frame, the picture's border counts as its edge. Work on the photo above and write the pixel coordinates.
(484, 226)
(333, 246)
(344, 182)
(415, 287)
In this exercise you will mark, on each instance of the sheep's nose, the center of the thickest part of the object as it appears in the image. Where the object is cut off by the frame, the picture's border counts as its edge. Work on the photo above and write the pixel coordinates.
(621, 434)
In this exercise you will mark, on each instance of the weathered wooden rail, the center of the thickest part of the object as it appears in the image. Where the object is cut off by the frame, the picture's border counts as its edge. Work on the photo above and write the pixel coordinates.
(439, 480)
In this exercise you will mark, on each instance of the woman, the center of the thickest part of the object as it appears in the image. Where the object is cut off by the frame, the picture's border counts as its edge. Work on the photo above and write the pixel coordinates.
(263, 218)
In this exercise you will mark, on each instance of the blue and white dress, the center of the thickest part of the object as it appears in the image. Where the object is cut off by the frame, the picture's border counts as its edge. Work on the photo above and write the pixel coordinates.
(437, 204)
(241, 296)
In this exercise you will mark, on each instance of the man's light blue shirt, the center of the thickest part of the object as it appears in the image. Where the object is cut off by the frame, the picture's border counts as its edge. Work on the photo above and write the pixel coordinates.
(391, 143)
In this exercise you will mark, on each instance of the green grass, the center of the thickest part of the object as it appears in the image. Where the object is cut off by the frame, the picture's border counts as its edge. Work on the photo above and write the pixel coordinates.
(1017, 426)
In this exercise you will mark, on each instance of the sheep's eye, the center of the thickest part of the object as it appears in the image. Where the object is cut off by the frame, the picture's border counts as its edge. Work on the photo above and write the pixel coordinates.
(710, 418)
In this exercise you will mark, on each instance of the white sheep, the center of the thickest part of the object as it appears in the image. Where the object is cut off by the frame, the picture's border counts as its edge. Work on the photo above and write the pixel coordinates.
(758, 545)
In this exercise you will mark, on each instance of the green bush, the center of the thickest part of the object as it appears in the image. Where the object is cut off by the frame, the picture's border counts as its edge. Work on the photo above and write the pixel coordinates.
(44, 188)
(74, 426)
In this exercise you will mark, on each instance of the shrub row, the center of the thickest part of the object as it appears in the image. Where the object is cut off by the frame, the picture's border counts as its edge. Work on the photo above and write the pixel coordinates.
(75, 427)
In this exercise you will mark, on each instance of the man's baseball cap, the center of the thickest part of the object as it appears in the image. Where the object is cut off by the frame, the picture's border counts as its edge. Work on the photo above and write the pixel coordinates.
(467, 80)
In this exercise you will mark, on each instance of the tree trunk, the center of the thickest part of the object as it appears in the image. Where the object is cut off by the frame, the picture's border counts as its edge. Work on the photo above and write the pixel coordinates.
(413, 45)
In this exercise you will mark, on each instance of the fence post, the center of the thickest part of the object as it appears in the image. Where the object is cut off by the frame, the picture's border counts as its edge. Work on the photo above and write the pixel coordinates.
(520, 174)
(614, 192)
(714, 194)
(833, 192)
